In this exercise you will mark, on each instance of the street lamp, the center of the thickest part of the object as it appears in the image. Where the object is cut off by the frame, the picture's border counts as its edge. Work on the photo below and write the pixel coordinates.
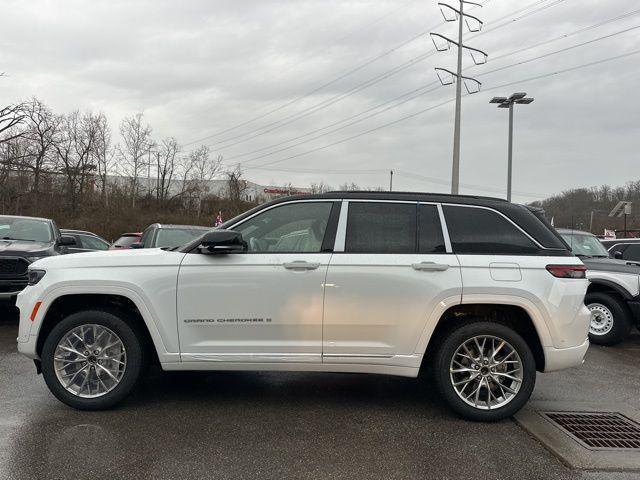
(504, 102)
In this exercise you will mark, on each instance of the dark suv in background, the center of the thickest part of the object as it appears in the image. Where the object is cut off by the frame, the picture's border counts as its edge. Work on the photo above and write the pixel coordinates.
(23, 240)
(624, 248)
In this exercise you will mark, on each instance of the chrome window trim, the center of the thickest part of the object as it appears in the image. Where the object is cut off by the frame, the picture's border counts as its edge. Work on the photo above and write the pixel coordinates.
(315, 200)
(503, 216)
(443, 226)
(341, 231)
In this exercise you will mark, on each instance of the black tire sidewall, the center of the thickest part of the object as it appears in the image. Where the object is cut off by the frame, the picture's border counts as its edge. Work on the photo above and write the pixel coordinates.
(621, 318)
(132, 345)
(450, 344)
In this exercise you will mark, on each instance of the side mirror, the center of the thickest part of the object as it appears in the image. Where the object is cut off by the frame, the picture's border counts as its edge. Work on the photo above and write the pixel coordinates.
(617, 255)
(222, 241)
(67, 241)
(137, 245)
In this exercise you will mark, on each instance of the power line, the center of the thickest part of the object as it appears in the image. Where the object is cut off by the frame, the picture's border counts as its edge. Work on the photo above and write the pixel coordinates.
(270, 127)
(342, 76)
(566, 49)
(410, 96)
(433, 107)
(316, 89)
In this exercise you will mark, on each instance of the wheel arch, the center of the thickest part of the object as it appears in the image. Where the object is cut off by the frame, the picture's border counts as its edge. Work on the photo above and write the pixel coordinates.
(513, 316)
(128, 306)
(606, 286)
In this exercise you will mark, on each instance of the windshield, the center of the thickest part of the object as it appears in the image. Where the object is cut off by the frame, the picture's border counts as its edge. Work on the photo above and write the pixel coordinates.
(126, 240)
(29, 229)
(175, 237)
(585, 245)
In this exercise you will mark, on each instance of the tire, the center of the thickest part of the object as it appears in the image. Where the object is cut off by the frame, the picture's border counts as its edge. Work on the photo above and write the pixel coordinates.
(125, 360)
(503, 403)
(610, 320)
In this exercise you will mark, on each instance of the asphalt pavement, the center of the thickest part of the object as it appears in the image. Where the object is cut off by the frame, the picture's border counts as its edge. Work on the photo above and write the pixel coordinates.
(241, 425)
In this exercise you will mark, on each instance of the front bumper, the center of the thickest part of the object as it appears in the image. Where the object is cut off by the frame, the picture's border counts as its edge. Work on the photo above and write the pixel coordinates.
(561, 358)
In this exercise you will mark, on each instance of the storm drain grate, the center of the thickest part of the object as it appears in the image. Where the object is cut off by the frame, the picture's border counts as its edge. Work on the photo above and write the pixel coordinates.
(598, 430)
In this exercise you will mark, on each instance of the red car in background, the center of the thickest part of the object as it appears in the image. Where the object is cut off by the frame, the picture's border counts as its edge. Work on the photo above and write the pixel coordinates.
(125, 240)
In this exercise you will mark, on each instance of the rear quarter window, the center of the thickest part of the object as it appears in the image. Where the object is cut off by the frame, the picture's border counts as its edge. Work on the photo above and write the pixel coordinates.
(482, 231)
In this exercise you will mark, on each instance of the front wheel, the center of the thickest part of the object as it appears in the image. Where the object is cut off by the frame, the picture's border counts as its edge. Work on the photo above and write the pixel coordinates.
(91, 360)
(485, 371)
(610, 318)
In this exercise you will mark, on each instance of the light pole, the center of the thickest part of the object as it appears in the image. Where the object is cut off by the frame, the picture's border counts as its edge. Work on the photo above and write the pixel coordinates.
(504, 102)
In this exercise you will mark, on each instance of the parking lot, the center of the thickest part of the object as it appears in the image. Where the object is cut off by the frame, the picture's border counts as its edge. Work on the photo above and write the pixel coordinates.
(286, 425)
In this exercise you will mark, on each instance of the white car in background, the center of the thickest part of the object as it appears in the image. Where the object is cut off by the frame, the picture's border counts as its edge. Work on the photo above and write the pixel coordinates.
(480, 289)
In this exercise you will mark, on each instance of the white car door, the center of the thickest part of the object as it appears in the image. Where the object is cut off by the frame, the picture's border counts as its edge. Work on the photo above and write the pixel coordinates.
(391, 268)
(264, 305)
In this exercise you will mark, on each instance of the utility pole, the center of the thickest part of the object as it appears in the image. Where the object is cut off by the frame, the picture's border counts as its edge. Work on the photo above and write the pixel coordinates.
(447, 77)
(391, 180)
(504, 102)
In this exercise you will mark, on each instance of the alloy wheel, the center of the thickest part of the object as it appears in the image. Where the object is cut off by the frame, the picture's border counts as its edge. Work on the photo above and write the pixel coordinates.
(486, 372)
(90, 360)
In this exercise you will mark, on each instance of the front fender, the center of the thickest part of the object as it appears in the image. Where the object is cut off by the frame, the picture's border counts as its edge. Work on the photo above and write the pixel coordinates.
(162, 326)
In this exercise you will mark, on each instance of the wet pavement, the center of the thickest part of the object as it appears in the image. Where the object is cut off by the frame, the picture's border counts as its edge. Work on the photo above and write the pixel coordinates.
(286, 425)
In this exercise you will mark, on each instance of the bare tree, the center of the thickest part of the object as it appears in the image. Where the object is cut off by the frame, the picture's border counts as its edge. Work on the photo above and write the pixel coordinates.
(11, 117)
(319, 187)
(104, 155)
(166, 164)
(75, 144)
(236, 185)
(40, 134)
(136, 137)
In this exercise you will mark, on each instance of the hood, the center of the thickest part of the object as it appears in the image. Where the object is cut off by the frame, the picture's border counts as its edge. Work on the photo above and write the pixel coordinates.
(143, 257)
(611, 265)
(25, 248)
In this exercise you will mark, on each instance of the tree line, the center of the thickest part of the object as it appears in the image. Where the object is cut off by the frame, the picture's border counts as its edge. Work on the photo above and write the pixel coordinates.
(588, 208)
(74, 168)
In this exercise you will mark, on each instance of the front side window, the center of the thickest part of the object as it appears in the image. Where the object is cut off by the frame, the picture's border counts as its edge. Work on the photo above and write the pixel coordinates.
(485, 232)
(381, 228)
(93, 243)
(291, 228)
(175, 237)
(632, 252)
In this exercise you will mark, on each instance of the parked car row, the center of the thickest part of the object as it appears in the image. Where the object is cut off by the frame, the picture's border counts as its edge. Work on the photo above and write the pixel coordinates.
(23, 240)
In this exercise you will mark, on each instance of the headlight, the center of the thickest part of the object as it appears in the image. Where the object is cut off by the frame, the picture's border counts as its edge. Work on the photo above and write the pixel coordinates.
(33, 259)
(35, 276)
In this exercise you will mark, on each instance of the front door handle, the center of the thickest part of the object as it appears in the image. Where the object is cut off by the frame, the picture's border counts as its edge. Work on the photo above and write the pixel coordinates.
(430, 267)
(300, 265)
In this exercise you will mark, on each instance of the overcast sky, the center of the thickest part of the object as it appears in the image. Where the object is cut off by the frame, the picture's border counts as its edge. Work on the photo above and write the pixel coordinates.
(197, 68)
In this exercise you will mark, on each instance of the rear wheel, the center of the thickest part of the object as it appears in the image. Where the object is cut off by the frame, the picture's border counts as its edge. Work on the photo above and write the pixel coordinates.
(485, 371)
(610, 318)
(91, 360)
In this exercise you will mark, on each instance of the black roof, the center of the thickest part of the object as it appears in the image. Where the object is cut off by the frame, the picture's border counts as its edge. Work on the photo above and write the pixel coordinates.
(410, 196)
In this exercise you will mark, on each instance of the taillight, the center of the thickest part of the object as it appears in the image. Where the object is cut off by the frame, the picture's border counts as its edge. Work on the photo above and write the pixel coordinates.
(568, 271)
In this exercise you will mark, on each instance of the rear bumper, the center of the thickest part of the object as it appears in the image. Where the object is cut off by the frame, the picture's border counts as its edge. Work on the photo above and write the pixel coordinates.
(561, 358)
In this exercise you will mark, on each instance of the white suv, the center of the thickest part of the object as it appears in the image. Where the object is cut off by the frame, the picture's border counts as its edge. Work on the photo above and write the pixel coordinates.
(479, 289)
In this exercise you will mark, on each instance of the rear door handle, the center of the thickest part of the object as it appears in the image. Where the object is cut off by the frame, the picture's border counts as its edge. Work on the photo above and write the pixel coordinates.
(300, 265)
(430, 267)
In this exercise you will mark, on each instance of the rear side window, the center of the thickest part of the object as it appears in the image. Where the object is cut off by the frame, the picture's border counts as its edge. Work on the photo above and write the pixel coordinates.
(430, 238)
(632, 252)
(482, 231)
(381, 228)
